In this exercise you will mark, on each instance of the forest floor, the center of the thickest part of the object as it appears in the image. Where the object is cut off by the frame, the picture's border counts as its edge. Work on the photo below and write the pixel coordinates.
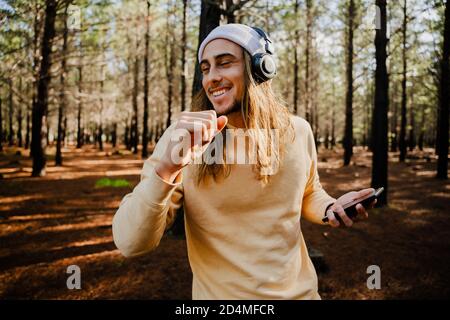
(64, 218)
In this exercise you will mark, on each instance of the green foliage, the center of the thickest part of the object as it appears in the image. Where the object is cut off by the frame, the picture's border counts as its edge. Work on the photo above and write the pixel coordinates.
(114, 183)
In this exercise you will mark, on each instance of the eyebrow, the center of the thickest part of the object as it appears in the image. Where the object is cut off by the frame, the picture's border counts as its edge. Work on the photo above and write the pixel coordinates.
(222, 55)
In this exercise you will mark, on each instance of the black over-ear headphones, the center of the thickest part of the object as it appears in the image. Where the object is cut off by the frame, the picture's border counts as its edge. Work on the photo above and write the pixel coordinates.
(263, 64)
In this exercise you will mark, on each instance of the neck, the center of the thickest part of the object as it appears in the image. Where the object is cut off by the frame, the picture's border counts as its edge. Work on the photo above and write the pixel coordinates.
(235, 119)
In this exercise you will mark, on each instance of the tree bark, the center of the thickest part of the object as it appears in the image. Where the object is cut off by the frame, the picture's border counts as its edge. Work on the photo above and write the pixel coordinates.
(394, 134)
(62, 97)
(307, 66)
(421, 129)
(402, 140)
(169, 59)
(40, 107)
(11, 115)
(19, 119)
(1, 126)
(444, 100)
(411, 130)
(296, 45)
(80, 107)
(100, 122)
(134, 125)
(114, 135)
(348, 131)
(183, 59)
(80, 135)
(146, 75)
(379, 118)
(126, 139)
(35, 67)
(28, 128)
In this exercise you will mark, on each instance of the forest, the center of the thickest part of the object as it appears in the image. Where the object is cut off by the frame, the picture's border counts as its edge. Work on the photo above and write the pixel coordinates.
(87, 88)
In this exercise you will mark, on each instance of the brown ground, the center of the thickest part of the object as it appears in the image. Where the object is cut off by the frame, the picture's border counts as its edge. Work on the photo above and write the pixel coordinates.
(47, 224)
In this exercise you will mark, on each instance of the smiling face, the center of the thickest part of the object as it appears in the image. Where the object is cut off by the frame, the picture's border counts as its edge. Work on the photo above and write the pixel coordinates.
(222, 68)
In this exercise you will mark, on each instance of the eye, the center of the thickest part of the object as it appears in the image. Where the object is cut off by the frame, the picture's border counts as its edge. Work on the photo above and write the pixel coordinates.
(225, 63)
(205, 69)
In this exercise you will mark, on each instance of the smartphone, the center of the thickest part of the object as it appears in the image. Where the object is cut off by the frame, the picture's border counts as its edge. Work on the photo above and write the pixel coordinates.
(350, 207)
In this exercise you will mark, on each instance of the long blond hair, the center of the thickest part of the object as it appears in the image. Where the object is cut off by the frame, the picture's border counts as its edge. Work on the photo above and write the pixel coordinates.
(261, 109)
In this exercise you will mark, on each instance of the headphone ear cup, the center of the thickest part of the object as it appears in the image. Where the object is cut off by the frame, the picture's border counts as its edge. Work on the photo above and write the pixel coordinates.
(263, 67)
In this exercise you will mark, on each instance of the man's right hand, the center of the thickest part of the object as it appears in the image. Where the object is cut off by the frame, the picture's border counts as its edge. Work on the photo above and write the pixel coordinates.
(197, 127)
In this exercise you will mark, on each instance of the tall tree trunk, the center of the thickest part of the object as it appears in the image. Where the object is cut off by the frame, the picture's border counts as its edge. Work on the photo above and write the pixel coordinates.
(114, 135)
(134, 125)
(348, 131)
(130, 134)
(333, 129)
(444, 100)
(379, 118)
(422, 129)
(296, 45)
(47, 128)
(316, 113)
(1, 126)
(36, 57)
(209, 19)
(394, 134)
(307, 56)
(367, 120)
(28, 128)
(100, 122)
(62, 97)
(100, 135)
(411, 130)
(19, 127)
(126, 139)
(19, 119)
(40, 107)
(146, 75)
(11, 115)
(80, 134)
(169, 59)
(402, 141)
(80, 107)
(229, 14)
(64, 129)
(183, 59)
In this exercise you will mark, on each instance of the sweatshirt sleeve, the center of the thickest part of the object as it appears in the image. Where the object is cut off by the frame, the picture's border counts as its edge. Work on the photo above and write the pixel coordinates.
(149, 210)
(315, 198)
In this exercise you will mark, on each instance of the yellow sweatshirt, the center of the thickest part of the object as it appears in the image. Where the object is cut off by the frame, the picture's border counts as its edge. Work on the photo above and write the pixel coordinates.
(243, 238)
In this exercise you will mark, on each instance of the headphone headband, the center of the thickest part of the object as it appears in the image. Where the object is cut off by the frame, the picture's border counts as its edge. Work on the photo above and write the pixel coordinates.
(265, 36)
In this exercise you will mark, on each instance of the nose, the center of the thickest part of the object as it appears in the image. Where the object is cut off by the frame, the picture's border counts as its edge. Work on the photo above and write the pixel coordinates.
(213, 75)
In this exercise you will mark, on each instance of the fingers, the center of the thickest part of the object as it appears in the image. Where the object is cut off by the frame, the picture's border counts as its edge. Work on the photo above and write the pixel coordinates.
(221, 123)
(362, 213)
(373, 203)
(198, 128)
(364, 192)
(208, 119)
(332, 219)
(340, 211)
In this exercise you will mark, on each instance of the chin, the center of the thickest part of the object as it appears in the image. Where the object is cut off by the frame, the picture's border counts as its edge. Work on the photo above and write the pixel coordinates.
(223, 110)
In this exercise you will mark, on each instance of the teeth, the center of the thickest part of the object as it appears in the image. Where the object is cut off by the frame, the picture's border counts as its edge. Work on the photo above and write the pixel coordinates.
(218, 93)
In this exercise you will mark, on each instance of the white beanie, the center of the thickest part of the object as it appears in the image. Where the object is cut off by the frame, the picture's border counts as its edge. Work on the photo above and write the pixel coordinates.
(240, 34)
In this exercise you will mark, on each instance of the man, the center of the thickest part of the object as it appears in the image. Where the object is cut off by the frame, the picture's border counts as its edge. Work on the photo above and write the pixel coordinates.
(242, 220)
